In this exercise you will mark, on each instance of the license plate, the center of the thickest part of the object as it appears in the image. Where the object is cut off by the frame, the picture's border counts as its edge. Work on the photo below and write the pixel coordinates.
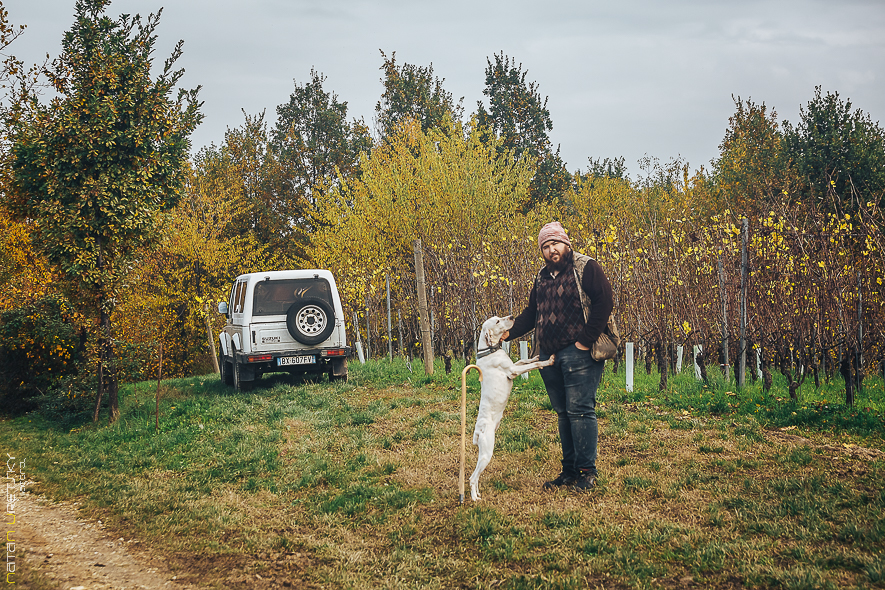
(296, 360)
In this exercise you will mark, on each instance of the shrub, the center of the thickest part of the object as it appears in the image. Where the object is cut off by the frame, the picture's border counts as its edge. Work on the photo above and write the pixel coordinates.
(40, 345)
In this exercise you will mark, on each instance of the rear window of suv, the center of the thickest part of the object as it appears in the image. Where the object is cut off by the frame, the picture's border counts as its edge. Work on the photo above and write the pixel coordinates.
(276, 297)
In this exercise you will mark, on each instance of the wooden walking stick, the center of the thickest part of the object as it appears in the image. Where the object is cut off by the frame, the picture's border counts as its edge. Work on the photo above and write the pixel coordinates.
(464, 426)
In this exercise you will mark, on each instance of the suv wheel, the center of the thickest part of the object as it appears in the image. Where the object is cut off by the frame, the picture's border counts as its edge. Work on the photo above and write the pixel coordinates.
(235, 377)
(338, 371)
(238, 383)
(227, 377)
(310, 320)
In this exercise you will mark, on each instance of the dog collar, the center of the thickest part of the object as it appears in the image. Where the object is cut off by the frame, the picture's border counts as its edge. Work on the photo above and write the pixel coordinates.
(484, 352)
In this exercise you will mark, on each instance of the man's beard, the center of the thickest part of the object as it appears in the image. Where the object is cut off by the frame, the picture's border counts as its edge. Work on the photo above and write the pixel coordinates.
(560, 266)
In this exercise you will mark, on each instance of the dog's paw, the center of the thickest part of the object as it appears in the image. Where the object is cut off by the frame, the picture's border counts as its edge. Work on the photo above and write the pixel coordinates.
(551, 360)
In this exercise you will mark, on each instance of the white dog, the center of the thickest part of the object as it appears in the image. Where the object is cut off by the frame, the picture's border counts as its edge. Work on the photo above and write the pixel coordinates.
(498, 373)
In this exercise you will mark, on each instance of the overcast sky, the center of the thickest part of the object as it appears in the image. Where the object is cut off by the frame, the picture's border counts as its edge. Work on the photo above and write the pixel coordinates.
(624, 78)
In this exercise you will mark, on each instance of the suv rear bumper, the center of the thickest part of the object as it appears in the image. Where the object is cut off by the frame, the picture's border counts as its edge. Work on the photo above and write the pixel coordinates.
(252, 365)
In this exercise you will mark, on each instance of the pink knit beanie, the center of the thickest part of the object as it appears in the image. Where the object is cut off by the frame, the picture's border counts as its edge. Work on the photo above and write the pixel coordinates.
(553, 231)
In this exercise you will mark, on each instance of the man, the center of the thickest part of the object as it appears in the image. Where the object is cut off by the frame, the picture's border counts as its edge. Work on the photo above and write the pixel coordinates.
(568, 308)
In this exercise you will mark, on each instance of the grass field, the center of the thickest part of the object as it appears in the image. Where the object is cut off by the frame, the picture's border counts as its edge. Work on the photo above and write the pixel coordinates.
(355, 485)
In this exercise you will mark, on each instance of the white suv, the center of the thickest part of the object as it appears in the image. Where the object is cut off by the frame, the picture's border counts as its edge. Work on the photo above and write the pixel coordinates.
(285, 320)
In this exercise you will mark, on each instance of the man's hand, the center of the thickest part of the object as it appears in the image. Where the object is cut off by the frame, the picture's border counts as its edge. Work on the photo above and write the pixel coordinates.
(581, 346)
(505, 335)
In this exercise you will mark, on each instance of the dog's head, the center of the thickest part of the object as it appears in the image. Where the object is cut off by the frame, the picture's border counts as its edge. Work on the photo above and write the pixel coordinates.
(493, 329)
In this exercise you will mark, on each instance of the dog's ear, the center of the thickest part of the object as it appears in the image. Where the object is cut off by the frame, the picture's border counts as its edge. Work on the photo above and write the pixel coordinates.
(493, 337)
(487, 338)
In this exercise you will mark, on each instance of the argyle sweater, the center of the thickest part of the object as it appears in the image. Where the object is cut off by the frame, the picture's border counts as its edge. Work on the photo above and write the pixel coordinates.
(555, 311)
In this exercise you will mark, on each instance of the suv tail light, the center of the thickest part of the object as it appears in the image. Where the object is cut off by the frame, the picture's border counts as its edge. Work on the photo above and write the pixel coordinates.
(334, 352)
(260, 358)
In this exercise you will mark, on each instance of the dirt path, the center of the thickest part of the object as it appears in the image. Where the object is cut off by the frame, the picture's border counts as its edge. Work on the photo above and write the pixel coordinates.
(63, 551)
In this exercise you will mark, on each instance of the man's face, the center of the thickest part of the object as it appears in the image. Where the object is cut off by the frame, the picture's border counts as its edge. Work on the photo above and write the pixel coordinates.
(553, 253)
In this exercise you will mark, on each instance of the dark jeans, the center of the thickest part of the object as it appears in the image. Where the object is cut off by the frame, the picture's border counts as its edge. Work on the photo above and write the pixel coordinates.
(571, 383)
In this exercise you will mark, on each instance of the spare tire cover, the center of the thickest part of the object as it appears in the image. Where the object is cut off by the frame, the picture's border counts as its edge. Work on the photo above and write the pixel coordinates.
(310, 320)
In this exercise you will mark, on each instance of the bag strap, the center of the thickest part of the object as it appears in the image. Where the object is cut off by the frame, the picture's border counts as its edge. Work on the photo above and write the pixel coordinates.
(578, 264)
(580, 261)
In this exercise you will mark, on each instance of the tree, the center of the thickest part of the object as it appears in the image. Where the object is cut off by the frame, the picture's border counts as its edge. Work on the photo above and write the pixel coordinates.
(247, 160)
(607, 168)
(839, 155)
(413, 92)
(518, 116)
(95, 166)
(246, 167)
(16, 81)
(452, 191)
(751, 170)
(551, 179)
(313, 143)
(11, 68)
(39, 345)
(23, 270)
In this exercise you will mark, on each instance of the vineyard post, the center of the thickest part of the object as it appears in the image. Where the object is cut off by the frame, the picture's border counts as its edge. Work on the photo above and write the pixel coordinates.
(368, 333)
(359, 344)
(100, 389)
(524, 355)
(629, 354)
(431, 309)
(639, 335)
(475, 335)
(679, 351)
(697, 368)
(399, 328)
(742, 367)
(858, 374)
(422, 309)
(724, 296)
(389, 325)
(208, 312)
(510, 283)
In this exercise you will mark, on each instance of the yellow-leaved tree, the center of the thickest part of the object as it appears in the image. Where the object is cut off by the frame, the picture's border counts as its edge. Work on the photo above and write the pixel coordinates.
(23, 270)
(457, 195)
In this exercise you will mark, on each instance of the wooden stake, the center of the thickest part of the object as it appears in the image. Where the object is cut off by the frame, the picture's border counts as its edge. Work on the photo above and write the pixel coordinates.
(208, 309)
(389, 325)
(858, 373)
(100, 389)
(742, 364)
(400, 331)
(424, 316)
(368, 332)
(724, 296)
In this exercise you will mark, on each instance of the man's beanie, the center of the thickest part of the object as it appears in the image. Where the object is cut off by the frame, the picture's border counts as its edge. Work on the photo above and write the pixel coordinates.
(553, 231)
